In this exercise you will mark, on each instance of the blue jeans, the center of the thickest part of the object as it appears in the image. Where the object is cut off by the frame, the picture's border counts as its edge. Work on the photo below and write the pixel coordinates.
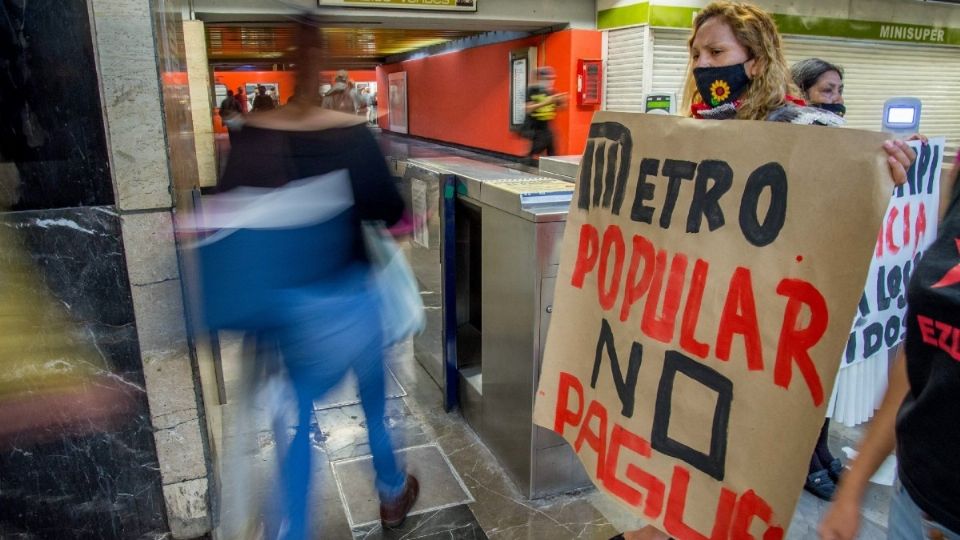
(326, 331)
(908, 522)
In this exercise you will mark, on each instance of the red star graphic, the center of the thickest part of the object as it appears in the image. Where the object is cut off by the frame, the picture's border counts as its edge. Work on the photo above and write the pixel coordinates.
(952, 277)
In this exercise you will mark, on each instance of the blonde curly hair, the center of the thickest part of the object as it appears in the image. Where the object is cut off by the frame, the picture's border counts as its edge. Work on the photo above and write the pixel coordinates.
(757, 32)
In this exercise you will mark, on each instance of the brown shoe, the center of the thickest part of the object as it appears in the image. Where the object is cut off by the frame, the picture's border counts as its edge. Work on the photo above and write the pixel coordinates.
(392, 513)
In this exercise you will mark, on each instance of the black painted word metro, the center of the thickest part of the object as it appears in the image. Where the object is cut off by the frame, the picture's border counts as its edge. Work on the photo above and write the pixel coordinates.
(604, 179)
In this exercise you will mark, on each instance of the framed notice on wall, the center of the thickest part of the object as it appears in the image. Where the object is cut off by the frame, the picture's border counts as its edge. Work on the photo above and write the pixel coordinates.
(436, 5)
(397, 104)
(220, 93)
(521, 64)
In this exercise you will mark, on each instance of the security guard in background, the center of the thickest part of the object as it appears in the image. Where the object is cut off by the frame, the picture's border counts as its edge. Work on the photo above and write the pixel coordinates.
(542, 106)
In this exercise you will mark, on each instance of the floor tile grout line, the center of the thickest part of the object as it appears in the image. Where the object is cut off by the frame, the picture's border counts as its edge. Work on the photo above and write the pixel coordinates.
(327, 407)
(420, 512)
(469, 499)
(521, 503)
(420, 525)
(343, 496)
(456, 474)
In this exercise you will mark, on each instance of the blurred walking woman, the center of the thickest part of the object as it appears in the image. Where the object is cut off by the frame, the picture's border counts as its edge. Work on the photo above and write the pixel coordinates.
(299, 182)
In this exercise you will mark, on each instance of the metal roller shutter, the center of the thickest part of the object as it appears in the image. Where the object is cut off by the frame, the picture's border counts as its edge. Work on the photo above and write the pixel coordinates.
(669, 60)
(874, 72)
(624, 74)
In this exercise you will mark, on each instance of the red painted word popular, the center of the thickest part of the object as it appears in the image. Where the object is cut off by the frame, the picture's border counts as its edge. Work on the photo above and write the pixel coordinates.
(736, 513)
(640, 274)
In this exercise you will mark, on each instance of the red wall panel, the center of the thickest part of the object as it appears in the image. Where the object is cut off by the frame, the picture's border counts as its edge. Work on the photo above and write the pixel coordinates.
(463, 97)
(286, 80)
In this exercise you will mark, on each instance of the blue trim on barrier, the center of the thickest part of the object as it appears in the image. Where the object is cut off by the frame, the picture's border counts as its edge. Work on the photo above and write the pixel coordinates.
(448, 280)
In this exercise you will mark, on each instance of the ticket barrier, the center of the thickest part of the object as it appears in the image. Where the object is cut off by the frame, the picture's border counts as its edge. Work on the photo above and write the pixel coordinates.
(501, 246)
(560, 167)
(429, 194)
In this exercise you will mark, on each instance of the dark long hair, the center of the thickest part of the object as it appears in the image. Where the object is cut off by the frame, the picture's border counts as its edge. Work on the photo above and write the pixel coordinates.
(806, 72)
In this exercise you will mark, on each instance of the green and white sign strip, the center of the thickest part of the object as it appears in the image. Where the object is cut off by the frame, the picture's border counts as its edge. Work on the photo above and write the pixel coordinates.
(682, 17)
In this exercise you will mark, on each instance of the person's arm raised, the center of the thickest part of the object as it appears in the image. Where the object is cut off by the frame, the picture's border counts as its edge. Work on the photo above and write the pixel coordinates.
(842, 520)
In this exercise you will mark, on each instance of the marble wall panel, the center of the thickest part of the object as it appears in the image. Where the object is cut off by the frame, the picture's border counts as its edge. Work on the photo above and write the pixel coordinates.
(79, 460)
(50, 106)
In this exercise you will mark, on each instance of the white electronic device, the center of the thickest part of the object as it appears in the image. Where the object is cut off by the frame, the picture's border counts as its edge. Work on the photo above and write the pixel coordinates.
(901, 115)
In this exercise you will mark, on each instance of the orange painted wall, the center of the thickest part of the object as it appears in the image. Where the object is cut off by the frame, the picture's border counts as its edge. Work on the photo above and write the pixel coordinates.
(464, 97)
(573, 45)
(233, 79)
(286, 80)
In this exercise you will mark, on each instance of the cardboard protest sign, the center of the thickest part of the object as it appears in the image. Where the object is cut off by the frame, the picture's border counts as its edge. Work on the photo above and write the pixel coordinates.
(908, 228)
(708, 276)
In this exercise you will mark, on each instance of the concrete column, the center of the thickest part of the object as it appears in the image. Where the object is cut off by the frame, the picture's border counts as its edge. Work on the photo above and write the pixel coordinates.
(131, 94)
(201, 98)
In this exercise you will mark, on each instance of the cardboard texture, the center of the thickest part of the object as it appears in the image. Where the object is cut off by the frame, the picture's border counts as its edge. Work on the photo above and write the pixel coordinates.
(709, 275)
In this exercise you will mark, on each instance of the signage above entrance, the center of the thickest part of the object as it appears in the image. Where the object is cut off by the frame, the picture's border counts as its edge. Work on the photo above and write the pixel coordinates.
(440, 5)
(682, 17)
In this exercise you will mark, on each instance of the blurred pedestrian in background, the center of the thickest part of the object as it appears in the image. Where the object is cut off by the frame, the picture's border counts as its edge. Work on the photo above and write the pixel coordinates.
(230, 114)
(263, 102)
(341, 96)
(543, 102)
(243, 102)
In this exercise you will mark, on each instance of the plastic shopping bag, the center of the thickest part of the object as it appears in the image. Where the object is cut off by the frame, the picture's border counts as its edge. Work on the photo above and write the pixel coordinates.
(401, 305)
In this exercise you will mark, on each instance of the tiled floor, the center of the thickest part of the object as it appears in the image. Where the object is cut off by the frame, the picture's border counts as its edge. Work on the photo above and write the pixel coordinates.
(443, 486)
(465, 493)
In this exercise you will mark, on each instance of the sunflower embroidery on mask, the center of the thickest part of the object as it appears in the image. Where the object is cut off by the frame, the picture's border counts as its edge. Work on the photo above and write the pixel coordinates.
(720, 85)
(719, 92)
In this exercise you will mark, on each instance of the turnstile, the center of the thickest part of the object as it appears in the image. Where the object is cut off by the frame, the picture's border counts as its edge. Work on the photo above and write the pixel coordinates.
(560, 167)
(430, 196)
(499, 252)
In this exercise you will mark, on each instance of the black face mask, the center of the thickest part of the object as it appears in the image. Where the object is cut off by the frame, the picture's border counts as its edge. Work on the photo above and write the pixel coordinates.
(836, 108)
(719, 85)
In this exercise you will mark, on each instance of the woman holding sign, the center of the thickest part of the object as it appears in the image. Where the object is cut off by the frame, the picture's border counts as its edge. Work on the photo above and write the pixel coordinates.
(737, 71)
(821, 84)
